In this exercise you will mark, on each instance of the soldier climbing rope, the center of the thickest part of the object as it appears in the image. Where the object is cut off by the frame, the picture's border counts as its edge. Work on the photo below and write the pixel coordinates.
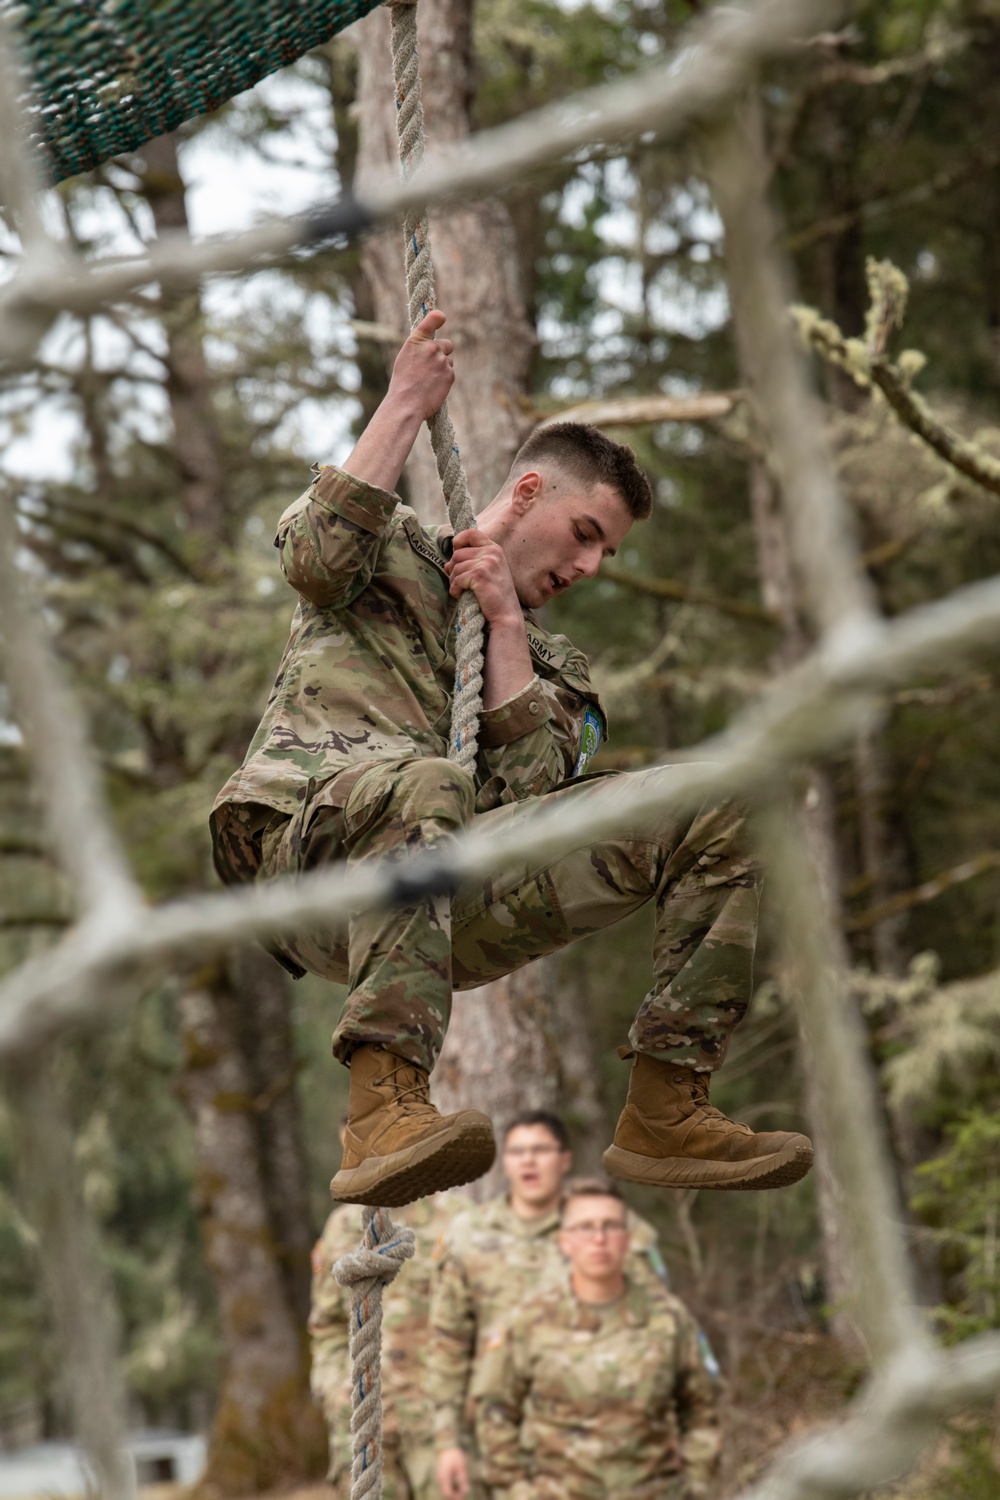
(384, 1248)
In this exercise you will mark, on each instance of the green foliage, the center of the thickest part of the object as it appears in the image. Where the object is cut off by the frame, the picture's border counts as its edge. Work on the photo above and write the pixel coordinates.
(971, 1470)
(959, 1200)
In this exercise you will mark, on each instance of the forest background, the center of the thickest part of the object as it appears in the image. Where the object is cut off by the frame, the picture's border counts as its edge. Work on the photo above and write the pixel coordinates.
(150, 456)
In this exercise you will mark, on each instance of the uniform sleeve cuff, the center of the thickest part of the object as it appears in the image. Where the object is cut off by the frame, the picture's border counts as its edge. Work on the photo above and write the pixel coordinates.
(447, 1430)
(365, 504)
(518, 716)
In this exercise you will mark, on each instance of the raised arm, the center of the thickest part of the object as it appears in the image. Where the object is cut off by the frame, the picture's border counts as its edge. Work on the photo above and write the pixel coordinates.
(329, 539)
(422, 376)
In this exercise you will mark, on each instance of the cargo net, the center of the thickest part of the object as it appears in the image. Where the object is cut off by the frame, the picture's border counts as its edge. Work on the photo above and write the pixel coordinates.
(110, 74)
(117, 943)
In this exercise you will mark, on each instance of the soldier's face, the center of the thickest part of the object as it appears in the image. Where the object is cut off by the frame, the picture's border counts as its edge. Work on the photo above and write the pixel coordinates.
(535, 1166)
(594, 1236)
(558, 532)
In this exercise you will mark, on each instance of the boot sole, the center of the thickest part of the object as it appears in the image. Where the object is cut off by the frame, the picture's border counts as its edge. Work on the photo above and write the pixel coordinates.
(429, 1166)
(780, 1169)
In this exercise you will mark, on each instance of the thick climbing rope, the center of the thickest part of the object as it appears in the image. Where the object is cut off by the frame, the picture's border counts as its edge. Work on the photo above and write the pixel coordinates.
(376, 1262)
(468, 697)
(383, 1248)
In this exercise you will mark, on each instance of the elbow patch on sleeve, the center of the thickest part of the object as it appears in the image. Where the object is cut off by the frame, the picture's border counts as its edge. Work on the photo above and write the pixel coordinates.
(527, 710)
(365, 504)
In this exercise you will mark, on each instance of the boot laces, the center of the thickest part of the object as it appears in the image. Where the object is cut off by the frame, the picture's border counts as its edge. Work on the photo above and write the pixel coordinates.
(699, 1083)
(411, 1097)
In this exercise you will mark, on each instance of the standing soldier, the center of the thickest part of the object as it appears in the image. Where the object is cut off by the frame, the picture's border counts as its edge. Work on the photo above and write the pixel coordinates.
(408, 1442)
(597, 1388)
(492, 1258)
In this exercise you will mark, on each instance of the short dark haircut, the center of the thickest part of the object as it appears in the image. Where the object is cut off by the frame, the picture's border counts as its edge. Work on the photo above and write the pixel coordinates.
(591, 457)
(590, 1187)
(552, 1123)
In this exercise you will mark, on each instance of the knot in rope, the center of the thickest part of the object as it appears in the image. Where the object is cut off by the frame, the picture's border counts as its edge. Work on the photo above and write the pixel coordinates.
(467, 701)
(366, 1271)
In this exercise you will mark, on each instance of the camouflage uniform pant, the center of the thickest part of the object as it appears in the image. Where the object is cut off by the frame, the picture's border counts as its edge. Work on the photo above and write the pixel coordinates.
(552, 1487)
(401, 965)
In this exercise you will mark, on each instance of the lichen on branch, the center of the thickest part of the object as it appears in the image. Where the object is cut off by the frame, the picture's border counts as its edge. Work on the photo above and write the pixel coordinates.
(865, 361)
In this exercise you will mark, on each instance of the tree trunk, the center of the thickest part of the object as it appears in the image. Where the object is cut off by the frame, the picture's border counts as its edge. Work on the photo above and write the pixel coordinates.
(197, 442)
(504, 1049)
(236, 1032)
(878, 865)
(265, 1429)
(267, 1043)
(842, 292)
(816, 824)
(475, 258)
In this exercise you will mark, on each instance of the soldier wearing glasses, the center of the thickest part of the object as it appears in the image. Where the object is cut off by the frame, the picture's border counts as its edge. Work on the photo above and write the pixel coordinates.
(596, 1388)
(491, 1259)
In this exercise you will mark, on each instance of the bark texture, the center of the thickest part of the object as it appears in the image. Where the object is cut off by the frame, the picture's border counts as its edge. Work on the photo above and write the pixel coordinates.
(198, 445)
(238, 1079)
(475, 258)
(265, 1428)
(266, 1041)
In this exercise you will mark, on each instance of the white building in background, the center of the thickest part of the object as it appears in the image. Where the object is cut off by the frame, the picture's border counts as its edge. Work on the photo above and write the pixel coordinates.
(57, 1469)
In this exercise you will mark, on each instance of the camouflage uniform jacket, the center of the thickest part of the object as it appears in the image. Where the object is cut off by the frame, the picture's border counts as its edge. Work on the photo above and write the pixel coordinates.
(489, 1261)
(578, 1403)
(369, 668)
(405, 1305)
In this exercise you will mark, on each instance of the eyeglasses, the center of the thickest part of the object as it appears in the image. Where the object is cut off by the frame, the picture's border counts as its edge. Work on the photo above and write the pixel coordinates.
(592, 1231)
(518, 1151)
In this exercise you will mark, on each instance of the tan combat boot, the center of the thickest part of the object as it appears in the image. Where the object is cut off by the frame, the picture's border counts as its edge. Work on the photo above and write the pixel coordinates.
(669, 1135)
(397, 1146)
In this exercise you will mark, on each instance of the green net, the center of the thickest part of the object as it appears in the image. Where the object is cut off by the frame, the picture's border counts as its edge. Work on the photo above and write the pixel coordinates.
(110, 74)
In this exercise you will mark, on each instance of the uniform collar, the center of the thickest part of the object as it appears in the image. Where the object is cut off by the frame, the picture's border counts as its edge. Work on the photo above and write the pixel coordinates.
(634, 1307)
(528, 1229)
(432, 543)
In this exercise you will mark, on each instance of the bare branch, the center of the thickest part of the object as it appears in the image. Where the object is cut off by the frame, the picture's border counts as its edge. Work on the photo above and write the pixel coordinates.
(82, 1306)
(834, 1036)
(640, 411)
(912, 410)
(113, 520)
(894, 381)
(673, 588)
(20, 183)
(837, 596)
(79, 826)
(979, 864)
(928, 190)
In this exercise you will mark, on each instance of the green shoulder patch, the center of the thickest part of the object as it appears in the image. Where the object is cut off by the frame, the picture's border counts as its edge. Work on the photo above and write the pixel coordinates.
(590, 741)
